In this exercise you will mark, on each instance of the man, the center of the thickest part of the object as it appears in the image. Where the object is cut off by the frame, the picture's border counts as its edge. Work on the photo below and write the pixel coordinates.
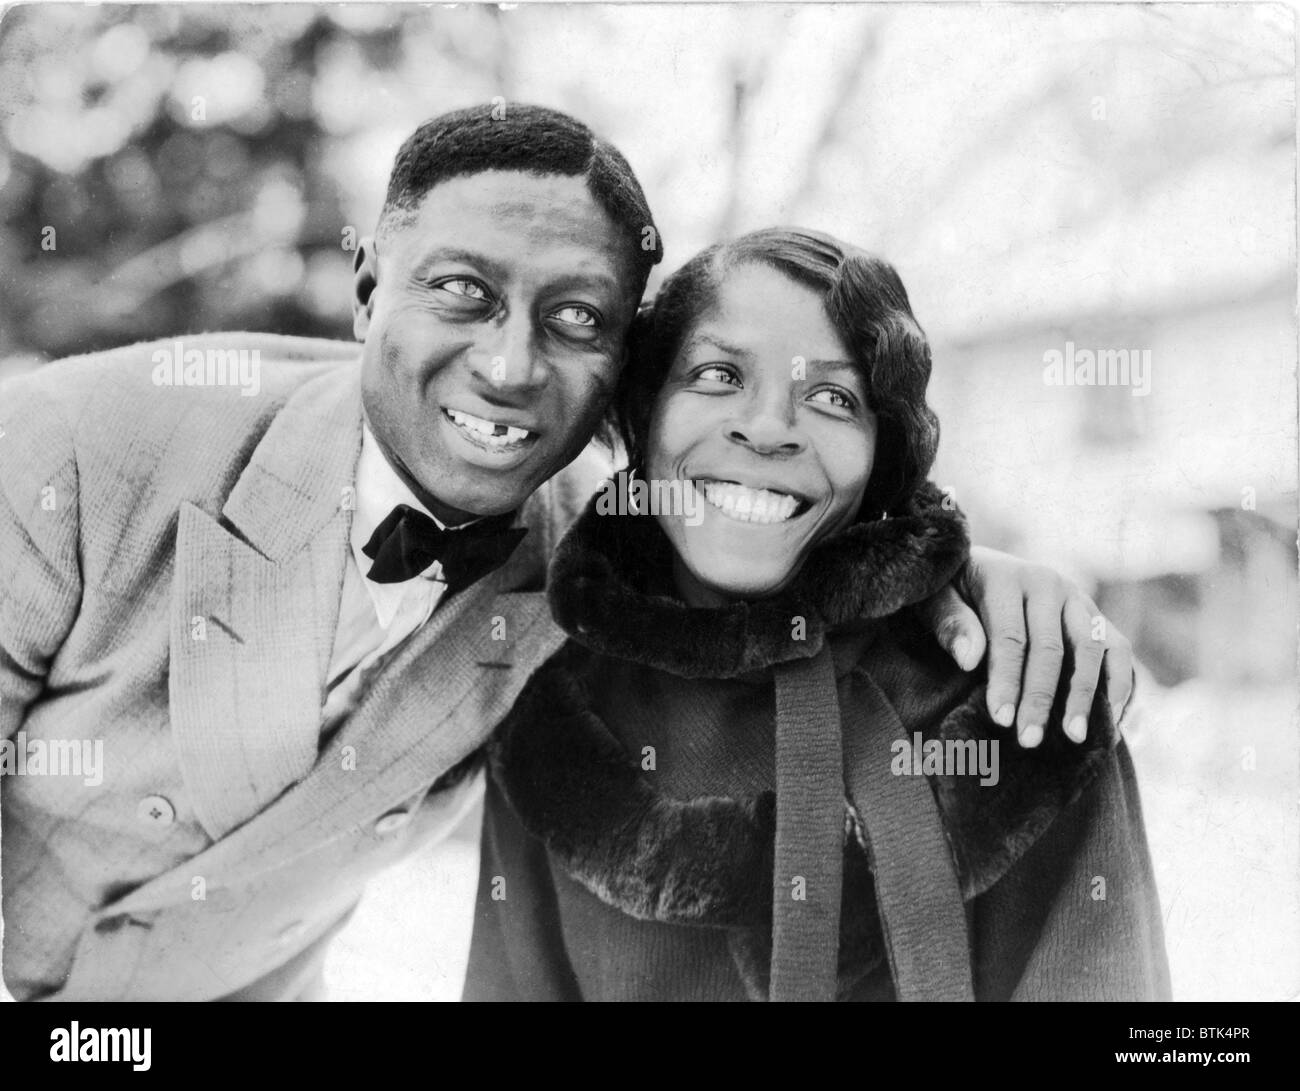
(252, 606)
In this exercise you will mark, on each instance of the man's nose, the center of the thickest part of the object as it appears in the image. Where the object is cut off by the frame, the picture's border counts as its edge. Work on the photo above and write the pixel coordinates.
(506, 359)
(767, 426)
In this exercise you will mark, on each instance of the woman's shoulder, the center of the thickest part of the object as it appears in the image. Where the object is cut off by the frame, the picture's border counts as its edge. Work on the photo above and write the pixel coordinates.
(915, 673)
(996, 798)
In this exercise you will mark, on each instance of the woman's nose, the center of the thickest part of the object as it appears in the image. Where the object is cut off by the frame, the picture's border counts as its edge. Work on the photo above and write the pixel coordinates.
(768, 430)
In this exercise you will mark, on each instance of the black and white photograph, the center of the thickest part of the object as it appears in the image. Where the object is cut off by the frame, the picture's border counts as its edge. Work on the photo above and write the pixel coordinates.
(649, 502)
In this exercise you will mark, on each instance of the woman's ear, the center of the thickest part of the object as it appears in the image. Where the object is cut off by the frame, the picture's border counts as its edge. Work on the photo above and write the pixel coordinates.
(638, 332)
(365, 279)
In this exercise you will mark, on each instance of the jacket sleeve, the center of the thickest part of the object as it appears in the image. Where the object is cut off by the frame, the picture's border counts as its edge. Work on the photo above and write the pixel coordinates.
(517, 951)
(1077, 917)
(40, 570)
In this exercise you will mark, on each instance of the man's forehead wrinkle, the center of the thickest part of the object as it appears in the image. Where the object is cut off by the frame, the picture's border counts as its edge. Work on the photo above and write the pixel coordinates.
(527, 197)
(556, 210)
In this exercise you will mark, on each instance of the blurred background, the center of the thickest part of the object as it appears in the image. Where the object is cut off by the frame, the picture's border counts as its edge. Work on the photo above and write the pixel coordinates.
(1105, 177)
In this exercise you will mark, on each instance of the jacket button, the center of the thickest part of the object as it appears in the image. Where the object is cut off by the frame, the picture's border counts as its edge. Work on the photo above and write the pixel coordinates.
(392, 822)
(117, 921)
(155, 811)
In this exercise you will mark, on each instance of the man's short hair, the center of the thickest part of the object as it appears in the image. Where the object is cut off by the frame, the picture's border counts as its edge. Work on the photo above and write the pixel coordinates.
(534, 140)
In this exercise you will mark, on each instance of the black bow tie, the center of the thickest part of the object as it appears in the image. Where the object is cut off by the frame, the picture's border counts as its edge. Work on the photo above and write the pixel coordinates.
(408, 541)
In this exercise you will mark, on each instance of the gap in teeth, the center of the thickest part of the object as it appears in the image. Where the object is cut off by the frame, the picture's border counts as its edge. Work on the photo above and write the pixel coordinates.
(499, 435)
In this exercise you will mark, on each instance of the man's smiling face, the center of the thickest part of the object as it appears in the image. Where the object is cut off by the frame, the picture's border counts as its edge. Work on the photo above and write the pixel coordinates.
(493, 322)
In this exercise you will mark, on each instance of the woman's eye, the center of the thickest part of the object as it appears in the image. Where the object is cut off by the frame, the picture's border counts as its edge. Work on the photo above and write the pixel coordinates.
(838, 398)
(716, 373)
(575, 315)
(468, 289)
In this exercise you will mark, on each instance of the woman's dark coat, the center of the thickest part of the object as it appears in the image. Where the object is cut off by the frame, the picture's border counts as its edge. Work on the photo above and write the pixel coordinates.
(629, 842)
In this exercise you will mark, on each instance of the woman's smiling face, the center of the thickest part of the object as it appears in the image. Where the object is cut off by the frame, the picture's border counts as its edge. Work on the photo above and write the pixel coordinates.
(765, 414)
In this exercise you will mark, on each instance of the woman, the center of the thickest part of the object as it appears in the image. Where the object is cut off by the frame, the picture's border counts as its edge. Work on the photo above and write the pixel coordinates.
(674, 811)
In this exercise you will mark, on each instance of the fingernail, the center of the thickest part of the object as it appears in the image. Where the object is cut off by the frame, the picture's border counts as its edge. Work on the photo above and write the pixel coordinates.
(1077, 729)
(1031, 736)
(961, 651)
(1005, 715)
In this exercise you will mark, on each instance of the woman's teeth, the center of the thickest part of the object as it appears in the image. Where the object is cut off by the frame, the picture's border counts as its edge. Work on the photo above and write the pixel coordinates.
(486, 431)
(748, 505)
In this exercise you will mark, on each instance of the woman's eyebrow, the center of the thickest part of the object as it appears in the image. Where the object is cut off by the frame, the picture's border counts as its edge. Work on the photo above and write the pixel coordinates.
(718, 343)
(834, 365)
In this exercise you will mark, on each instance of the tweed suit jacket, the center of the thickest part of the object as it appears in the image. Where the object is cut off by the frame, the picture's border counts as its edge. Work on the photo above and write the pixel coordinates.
(173, 560)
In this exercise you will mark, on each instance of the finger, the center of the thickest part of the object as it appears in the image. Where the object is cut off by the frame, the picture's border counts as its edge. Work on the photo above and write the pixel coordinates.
(1119, 673)
(1043, 609)
(1003, 613)
(1085, 633)
(955, 626)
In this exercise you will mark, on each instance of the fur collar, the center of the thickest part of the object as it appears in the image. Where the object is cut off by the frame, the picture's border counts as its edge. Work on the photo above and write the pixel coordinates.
(610, 588)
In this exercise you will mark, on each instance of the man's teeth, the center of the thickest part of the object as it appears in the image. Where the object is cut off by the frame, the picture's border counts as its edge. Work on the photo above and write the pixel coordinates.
(749, 505)
(496, 435)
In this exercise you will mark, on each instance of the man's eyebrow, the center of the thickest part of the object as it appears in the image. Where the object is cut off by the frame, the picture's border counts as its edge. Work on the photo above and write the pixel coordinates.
(498, 271)
(597, 281)
(463, 257)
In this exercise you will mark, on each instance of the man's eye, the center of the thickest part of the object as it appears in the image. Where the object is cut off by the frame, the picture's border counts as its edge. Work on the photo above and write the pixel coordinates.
(575, 315)
(838, 398)
(468, 289)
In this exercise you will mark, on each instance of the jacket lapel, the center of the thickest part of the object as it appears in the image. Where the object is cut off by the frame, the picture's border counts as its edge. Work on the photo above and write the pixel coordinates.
(255, 606)
(434, 704)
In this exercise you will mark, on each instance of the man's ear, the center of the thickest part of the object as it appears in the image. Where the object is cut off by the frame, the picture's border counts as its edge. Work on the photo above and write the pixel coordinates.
(365, 279)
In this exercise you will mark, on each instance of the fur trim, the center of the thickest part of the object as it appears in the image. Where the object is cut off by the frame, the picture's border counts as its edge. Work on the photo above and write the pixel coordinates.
(708, 861)
(574, 786)
(991, 827)
(705, 862)
(610, 587)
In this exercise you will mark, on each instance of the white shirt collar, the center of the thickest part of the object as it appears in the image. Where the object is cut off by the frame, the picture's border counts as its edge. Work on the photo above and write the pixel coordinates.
(379, 489)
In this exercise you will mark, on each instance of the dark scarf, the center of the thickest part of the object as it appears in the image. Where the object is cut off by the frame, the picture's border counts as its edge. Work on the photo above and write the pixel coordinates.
(723, 862)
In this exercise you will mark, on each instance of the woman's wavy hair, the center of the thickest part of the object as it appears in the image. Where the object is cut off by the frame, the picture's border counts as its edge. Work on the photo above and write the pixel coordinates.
(866, 303)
